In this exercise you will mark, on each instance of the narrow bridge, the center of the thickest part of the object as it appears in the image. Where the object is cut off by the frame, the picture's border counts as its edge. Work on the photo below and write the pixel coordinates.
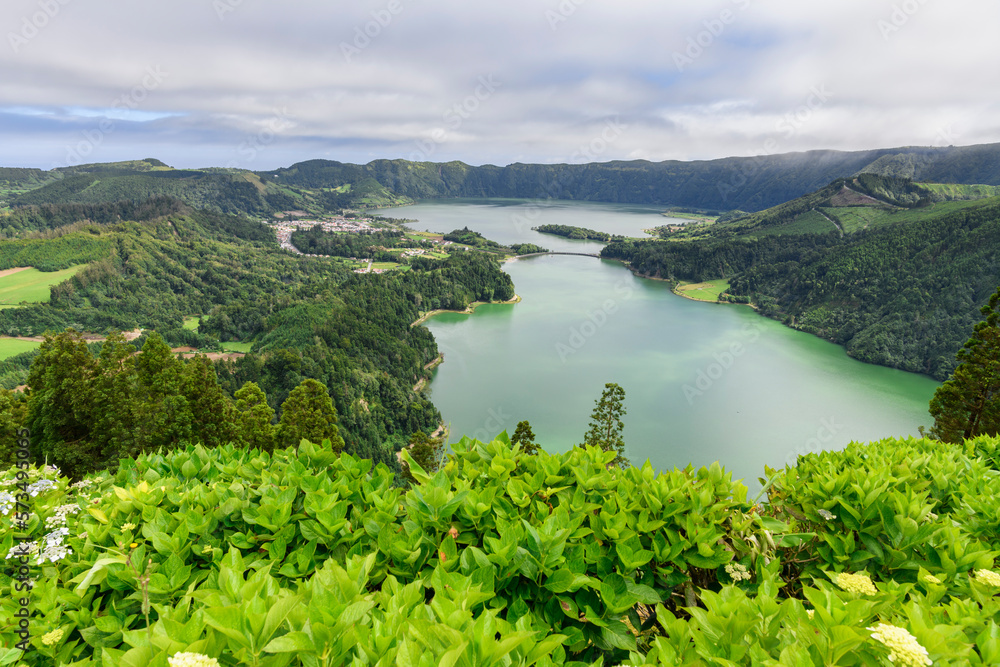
(578, 254)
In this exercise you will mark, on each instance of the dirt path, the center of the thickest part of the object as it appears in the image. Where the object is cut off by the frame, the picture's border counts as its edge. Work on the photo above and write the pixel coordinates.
(10, 272)
(832, 221)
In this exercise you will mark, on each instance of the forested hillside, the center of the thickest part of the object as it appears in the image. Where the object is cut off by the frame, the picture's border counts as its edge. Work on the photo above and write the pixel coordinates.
(309, 318)
(904, 293)
(232, 191)
(316, 186)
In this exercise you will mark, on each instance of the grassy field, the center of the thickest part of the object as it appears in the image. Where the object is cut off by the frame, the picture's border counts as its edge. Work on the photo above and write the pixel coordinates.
(385, 266)
(810, 222)
(10, 347)
(233, 346)
(707, 291)
(191, 323)
(32, 285)
(955, 191)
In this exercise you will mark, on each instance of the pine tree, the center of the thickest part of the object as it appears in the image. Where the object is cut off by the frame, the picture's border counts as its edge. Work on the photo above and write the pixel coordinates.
(308, 413)
(524, 436)
(253, 418)
(210, 410)
(968, 404)
(606, 424)
(162, 415)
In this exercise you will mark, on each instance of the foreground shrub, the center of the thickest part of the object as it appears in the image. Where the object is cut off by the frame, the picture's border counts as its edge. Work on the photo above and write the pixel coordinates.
(308, 557)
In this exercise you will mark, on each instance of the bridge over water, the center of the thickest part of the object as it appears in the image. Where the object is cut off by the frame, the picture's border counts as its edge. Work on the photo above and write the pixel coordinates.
(578, 254)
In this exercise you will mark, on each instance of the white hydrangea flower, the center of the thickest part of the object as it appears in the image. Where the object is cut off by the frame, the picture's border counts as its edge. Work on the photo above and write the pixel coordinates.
(904, 649)
(988, 577)
(52, 637)
(40, 486)
(738, 572)
(7, 502)
(23, 549)
(54, 550)
(191, 660)
(59, 518)
(856, 583)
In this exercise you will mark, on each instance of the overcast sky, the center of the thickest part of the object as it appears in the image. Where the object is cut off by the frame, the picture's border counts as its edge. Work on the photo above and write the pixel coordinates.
(261, 84)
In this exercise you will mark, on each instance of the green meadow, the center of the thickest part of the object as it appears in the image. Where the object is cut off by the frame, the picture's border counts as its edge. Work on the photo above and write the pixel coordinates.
(10, 347)
(32, 285)
(706, 291)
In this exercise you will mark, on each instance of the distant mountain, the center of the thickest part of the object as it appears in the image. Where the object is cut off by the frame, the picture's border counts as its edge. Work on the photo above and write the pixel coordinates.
(847, 205)
(316, 186)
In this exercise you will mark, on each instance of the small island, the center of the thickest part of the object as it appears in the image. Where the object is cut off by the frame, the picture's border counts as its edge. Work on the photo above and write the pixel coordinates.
(582, 233)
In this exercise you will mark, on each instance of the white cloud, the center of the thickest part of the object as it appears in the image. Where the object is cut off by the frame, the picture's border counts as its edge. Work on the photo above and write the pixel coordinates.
(899, 72)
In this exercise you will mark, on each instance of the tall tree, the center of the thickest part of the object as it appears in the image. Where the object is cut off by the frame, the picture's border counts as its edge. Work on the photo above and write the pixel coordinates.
(426, 451)
(13, 407)
(61, 406)
(115, 399)
(163, 414)
(253, 418)
(606, 425)
(968, 404)
(308, 413)
(210, 410)
(524, 436)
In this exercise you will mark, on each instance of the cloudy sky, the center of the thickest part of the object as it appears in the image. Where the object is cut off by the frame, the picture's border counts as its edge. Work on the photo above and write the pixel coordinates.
(261, 83)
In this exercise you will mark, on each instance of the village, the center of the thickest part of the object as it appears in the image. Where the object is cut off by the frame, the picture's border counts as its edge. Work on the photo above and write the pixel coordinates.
(284, 230)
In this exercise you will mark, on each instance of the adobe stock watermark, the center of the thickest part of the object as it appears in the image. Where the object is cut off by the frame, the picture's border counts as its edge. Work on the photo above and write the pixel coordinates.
(702, 41)
(454, 118)
(900, 16)
(788, 125)
(32, 25)
(947, 136)
(713, 372)
(562, 13)
(256, 142)
(496, 421)
(223, 7)
(591, 151)
(22, 550)
(581, 334)
(827, 431)
(371, 30)
(129, 101)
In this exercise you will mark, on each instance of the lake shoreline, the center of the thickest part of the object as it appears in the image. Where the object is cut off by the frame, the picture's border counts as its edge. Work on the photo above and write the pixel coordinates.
(468, 311)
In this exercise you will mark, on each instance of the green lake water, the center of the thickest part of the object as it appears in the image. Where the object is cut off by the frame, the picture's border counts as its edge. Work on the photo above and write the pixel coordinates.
(703, 382)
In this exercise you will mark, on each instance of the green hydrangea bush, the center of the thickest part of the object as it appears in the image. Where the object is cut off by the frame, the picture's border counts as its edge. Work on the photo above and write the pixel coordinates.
(880, 554)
